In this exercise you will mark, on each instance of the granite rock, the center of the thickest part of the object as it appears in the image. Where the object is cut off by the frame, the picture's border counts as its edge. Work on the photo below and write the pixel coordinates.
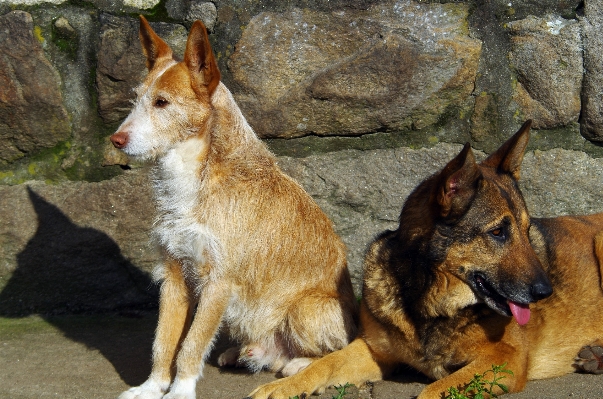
(32, 113)
(394, 66)
(592, 102)
(546, 56)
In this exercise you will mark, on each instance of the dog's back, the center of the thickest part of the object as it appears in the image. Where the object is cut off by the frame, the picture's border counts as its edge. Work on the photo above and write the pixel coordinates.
(571, 251)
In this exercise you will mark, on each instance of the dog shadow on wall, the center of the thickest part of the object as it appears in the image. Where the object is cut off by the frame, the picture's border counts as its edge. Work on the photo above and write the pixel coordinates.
(66, 269)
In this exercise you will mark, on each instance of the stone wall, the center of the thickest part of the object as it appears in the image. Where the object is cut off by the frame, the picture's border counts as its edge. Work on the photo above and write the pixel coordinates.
(360, 100)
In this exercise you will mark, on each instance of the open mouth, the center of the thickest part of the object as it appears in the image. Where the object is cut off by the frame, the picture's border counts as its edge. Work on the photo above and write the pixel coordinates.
(499, 303)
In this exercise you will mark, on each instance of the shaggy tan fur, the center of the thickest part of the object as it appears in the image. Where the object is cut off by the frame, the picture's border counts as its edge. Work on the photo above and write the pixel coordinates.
(245, 245)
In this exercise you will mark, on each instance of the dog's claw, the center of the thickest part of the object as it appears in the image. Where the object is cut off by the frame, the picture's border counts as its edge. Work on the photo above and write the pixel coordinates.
(590, 359)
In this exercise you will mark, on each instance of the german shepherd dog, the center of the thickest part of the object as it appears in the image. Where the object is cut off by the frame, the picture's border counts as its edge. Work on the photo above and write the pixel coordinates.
(244, 244)
(469, 280)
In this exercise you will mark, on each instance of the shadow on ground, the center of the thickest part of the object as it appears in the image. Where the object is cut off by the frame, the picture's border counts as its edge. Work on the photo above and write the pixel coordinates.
(77, 280)
(66, 269)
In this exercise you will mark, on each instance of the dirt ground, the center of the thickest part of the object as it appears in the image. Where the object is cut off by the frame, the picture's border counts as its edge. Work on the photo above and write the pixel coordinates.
(100, 356)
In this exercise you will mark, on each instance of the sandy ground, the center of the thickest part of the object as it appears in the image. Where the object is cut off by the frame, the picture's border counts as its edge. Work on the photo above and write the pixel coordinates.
(100, 356)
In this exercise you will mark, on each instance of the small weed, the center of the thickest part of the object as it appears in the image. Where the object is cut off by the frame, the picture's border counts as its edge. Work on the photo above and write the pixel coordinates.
(479, 385)
(341, 391)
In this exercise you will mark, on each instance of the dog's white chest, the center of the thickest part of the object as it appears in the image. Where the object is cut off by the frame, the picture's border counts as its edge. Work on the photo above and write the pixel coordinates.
(177, 189)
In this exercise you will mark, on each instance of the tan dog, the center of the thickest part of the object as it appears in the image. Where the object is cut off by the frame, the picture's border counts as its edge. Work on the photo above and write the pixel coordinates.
(468, 281)
(244, 244)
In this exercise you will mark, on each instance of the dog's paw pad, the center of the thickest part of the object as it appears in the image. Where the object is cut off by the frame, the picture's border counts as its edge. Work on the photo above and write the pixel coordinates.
(590, 359)
(229, 357)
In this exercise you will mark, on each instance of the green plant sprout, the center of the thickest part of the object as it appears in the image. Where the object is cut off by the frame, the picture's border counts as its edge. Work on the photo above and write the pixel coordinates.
(479, 386)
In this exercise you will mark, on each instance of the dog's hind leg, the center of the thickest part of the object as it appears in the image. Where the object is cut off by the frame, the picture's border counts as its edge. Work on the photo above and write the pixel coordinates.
(229, 358)
(175, 312)
(255, 357)
(590, 358)
(271, 355)
(198, 342)
(319, 324)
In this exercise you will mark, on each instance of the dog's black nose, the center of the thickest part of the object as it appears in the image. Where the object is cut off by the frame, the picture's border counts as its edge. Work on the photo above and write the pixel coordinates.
(541, 289)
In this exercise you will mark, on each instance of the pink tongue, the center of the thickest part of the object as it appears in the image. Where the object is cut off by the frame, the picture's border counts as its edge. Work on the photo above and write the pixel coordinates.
(521, 312)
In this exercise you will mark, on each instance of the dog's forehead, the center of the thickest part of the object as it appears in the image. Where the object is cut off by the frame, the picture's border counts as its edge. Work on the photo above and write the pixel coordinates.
(500, 198)
(154, 77)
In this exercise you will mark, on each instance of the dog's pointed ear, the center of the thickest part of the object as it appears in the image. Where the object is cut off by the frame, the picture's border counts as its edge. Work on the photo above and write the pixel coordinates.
(153, 47)
(458, 183)
(508, 158)
(199, 58)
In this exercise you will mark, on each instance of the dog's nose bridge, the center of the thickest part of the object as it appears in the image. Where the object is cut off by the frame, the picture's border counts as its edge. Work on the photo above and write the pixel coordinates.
(526, 281)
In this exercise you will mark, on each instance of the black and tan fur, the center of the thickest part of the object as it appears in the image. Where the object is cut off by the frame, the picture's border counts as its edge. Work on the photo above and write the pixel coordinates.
(437, 291)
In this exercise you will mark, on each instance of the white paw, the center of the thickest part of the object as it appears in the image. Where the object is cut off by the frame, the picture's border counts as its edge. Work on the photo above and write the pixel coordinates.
(182, 389)
(150, 389)
(295, 366)
(140, 393)
(171, 395)
(229, 357)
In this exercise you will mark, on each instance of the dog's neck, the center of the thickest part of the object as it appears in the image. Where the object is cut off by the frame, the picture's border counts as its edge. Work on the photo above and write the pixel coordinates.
(227, 139)
(231, 135)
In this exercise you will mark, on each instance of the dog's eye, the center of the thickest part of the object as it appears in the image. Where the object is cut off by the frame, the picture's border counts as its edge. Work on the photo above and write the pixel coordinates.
(498, 233)
(161, 102)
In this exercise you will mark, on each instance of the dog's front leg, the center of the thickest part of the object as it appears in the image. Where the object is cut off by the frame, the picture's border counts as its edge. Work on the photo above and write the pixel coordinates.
(353, 364)
(198, 342)
(175, 310)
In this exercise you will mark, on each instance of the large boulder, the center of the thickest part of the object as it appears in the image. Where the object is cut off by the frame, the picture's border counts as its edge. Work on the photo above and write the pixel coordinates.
(592, 102)
(546, 56)
(394, 66)
(32, 114)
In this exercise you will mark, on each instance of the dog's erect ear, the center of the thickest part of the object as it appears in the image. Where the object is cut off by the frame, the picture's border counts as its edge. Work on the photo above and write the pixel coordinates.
(507, 159)
(458, 183)
(199, 58)
(153, 46)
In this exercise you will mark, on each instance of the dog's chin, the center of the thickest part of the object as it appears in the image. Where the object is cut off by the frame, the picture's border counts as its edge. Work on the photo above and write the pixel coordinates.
(141, 156)
(490, 295)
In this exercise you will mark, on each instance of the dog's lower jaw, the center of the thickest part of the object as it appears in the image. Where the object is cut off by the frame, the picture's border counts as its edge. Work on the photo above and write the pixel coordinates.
(150, 389)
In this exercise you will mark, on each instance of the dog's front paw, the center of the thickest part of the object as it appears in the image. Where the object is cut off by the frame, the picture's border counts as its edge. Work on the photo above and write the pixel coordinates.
(149, 390)
(280, 389)
(182, 388)
(140, 393)
(590, 359)
(171, 395)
